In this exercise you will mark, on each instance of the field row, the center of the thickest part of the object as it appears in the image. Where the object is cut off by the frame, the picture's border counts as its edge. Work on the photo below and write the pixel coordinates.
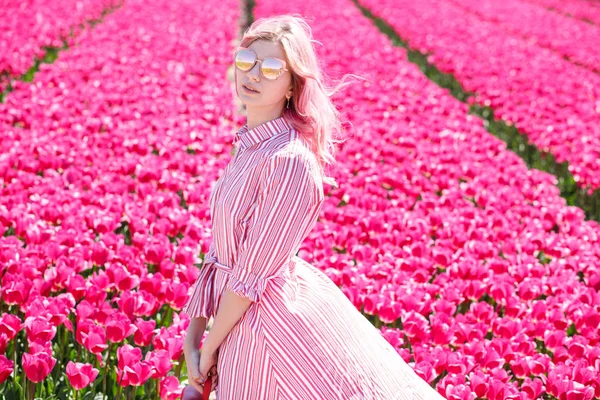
(553, 101)
(28, 27)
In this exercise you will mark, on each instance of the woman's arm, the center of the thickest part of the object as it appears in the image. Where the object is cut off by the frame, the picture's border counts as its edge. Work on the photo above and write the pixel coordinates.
(195, 332)
(191, 343)
(231, 309)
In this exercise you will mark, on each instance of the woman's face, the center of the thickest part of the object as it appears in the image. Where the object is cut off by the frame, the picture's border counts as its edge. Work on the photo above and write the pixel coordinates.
(271, 94)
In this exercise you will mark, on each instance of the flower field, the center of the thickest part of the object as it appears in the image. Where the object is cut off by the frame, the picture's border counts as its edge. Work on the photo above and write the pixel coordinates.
(588, 11)
(555, 102)
(472, 265)
(30, 26)
(104, 204)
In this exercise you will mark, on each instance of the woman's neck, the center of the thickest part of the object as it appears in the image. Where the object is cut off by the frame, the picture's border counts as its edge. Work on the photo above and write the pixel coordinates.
(255, 118)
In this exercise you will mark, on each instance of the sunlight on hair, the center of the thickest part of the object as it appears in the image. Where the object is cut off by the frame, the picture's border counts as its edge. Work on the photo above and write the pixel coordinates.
(311, 112)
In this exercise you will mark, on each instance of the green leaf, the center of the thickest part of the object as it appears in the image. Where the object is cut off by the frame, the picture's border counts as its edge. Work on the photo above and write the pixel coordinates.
(571, 330)
(11, 394)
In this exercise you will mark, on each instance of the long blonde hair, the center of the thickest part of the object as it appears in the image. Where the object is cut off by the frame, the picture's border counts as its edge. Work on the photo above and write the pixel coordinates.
(312, 112)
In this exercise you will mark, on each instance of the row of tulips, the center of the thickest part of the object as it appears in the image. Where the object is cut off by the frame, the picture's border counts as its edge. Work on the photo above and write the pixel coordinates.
(551, 100)
(98, 244)
(28, 26)
(472, 265)
(573, 39)
(588, 11)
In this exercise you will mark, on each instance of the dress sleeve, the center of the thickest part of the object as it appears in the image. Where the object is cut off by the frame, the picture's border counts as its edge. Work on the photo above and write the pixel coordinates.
(200, 303)
(286, 210)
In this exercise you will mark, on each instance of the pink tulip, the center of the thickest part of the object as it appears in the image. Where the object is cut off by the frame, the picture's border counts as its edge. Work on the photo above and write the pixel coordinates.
(10, 325)
(103, 310)
(15, 291)
(55, 309)
(100, 254)
(478, 384)
(576, 350)
(137, 304)
(390, 311)
(6, 367)
(520, 367)
(3, 342)
(154, 283)
(37, 366)
(85, 311)
(170, 388)
(532, 388)
(176, 294)
(135, 374)
(118, 327)
(184, 255)
(80, 375)
(459, 392)
(539, 364)
(77, 286)
(161, 363)
(128, 355)
(145, 332)
(416, 326)
(39, 329)
(155, 252)
(95, 294)
(166, 341)
(425, 370)
(40, 347)
(94, 339)
(121, 278)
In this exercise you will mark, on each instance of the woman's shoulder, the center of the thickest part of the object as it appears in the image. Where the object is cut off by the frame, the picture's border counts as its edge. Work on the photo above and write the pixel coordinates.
(294, 155)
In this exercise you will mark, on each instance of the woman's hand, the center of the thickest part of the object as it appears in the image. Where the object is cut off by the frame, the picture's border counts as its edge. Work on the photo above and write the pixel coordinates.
(208, 366)
(190, 350)
(192, 361)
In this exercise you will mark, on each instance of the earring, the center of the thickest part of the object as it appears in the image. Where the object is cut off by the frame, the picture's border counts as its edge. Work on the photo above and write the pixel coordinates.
(288, 102)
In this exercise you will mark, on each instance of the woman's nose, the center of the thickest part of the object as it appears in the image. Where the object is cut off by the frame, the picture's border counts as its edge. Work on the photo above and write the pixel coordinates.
(254, 73)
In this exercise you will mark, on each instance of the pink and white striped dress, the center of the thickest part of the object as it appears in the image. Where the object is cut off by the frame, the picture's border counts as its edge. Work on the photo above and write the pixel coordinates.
(302, 338)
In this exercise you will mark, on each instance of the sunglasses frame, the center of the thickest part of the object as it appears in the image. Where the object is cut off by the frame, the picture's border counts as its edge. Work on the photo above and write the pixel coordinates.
(256, 60)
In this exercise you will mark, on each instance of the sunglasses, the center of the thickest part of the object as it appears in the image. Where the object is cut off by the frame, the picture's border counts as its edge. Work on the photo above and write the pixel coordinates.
(270, 67)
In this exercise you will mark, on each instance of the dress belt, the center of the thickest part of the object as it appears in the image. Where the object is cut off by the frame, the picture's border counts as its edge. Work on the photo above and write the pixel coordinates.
(211, 259)
(223, 267)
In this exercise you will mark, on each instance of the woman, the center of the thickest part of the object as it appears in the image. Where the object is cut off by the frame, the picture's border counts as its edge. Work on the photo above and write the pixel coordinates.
(282, 329)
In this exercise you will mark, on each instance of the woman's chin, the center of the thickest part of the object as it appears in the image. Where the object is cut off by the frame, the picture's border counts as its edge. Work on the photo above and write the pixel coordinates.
(250, 103)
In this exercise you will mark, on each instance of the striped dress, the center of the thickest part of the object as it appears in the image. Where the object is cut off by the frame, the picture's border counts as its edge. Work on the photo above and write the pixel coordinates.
(301, 338)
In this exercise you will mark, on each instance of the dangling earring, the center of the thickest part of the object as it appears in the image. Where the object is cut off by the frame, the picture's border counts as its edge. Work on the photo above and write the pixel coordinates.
(288, 102)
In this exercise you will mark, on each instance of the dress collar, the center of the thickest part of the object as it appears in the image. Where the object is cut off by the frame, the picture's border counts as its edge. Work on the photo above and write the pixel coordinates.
(261, 132)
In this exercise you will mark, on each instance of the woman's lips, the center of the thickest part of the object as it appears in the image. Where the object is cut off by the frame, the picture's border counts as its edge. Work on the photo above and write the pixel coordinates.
(247, 90)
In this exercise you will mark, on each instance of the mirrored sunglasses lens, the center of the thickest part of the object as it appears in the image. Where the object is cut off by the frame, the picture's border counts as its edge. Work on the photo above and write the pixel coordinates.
(272, 68)
(244, 60)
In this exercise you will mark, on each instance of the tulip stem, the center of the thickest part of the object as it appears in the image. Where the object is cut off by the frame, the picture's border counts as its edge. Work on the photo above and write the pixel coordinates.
(169, 316)
(76, 394)
(157, 390)
(14, 353)
(106, 370)
(32, 389)
(78, 352)
(179, 365)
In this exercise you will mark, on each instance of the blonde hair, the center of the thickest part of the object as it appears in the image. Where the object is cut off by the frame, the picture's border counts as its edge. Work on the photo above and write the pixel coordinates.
(312, 112)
